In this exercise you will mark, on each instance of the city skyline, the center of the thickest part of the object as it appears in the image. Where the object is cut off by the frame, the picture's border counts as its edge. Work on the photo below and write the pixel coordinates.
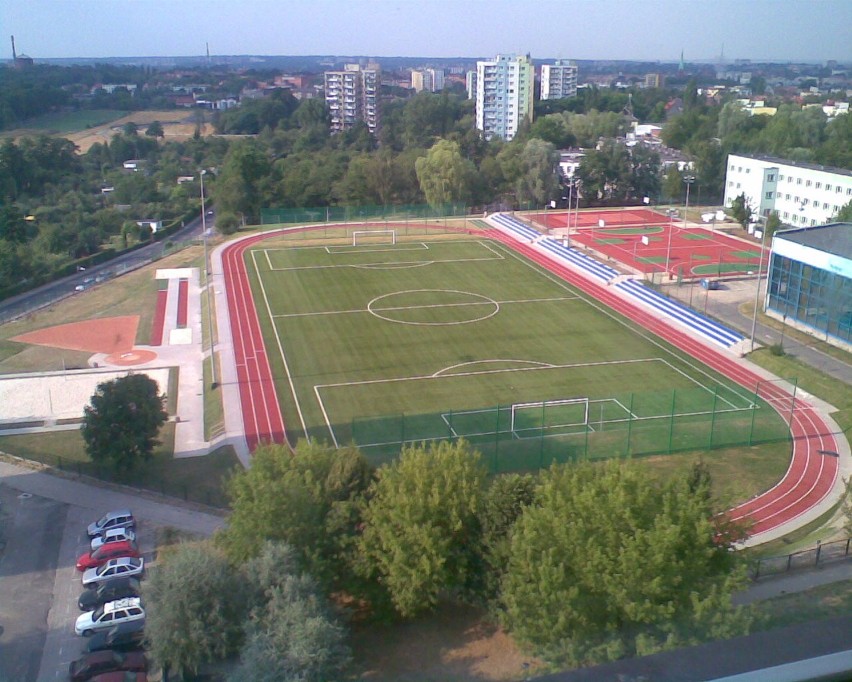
(655, 30)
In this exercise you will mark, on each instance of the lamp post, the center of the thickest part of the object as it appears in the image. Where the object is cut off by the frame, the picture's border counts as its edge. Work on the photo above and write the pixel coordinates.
(213, 380)
(688, 179)
(669, 246)
(757, 288)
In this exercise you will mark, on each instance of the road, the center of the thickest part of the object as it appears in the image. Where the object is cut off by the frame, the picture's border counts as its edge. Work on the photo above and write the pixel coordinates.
(51, 292)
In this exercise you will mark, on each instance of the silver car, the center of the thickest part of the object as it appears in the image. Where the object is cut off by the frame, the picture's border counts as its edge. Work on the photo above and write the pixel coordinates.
(122, 567)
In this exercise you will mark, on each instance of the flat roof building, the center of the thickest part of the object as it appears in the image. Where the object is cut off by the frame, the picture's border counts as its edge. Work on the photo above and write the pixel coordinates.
(504, 95)
(559, 80)
(352, 95)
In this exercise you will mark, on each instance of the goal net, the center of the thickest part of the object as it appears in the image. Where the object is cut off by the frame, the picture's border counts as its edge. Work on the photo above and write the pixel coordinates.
(529, 419)
(361, 237)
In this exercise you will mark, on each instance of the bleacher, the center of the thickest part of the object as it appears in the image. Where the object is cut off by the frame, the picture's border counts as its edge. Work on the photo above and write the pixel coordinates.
(683, 314)
(707, 328)
(556, 248)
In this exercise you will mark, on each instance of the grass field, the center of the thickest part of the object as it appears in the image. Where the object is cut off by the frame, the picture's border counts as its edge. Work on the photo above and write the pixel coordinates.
(383, 343)
(71, 121)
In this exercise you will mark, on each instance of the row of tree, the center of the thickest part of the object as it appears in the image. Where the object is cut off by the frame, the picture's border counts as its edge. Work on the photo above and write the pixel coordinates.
(581, 563)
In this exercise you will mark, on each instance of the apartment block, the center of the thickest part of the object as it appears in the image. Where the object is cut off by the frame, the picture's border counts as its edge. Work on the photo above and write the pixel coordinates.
(352, 95)
(559, 80)
(504, 95)
(431, 80)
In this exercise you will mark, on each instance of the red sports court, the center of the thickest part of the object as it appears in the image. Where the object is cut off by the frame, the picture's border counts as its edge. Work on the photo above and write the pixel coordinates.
(649, 242)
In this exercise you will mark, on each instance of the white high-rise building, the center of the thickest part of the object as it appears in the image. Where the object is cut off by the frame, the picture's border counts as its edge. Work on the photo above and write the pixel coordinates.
(559, 80)
(504, 95)
(431, 80)
(352, 95)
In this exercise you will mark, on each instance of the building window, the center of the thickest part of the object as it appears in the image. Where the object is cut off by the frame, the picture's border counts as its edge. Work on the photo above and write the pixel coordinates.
(839, 189)
(740, 169)
(798, 181)
(808, 183)
(818, 185)
(786, 215)
(738, 185)
(813, 222)
(770, 178)
(787, 197)
(825, 205)
(805, 202)
(789, 178)
(849, 192)
(769, 195)
(748, 170)
(828, 188)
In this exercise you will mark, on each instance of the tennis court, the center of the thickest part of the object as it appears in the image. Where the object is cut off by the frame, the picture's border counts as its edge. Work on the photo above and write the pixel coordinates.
(649, 242)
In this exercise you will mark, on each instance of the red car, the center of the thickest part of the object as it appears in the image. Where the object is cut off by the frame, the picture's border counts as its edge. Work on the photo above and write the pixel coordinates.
(101, 662)
(104, 553)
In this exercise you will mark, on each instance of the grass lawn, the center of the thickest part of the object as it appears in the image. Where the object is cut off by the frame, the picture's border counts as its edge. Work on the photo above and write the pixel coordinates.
(826, 601)
(71, 121)
(198, 479)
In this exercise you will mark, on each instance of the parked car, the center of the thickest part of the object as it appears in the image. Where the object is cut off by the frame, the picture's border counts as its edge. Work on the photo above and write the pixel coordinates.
(113, 535)
(127, 636)
(87, 666)
(123, 567)
(120, 518)
(109, 591)
(120, 677)
(106, 552)
(111, 613)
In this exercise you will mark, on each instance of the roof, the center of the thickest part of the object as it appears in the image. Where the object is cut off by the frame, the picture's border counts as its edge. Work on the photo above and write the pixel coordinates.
(797, 164)
(833, 238)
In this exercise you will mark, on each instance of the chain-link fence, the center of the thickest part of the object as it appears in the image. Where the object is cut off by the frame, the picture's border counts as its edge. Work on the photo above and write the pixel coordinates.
(532, 435)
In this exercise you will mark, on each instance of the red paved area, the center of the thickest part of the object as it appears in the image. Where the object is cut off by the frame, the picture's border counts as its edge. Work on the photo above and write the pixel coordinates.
(131, 358)
(183, 297)
(649, 242)
(102, 335)
(159, 320)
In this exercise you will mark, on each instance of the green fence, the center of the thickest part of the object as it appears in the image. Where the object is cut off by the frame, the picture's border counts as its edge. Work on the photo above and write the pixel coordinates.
(526, 436)
(360, 214)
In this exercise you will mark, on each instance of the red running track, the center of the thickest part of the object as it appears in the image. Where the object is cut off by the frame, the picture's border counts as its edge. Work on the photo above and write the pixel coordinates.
(807, 481)
(262, 419)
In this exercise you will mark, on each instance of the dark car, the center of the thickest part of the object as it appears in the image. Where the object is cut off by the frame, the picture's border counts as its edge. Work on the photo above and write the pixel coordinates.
(123, 676)
(86, 667)
(125, 637)
(108, 591)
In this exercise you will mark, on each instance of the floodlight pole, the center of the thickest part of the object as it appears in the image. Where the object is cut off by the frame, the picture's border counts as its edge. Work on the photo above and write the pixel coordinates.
(669, 245)
(757, 288)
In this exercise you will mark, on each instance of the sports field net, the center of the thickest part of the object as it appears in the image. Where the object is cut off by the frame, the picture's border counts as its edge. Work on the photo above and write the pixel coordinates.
(530, 435)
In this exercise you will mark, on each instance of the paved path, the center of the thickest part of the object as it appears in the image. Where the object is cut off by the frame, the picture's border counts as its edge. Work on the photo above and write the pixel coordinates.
(796, 581)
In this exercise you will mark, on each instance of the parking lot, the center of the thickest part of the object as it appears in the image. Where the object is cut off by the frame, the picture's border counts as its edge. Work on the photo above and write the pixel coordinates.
(45, 530)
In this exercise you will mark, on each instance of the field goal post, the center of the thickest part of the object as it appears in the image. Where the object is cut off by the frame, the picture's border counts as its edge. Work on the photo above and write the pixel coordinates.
(544, 415)
(389, 235)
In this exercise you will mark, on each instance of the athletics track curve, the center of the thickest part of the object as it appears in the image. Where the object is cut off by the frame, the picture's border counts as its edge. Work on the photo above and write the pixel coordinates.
(807, 481)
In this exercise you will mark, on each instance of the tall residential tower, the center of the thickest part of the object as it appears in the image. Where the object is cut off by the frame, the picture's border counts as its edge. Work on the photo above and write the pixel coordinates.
(352, 95)
(504, 95)
(559, 80)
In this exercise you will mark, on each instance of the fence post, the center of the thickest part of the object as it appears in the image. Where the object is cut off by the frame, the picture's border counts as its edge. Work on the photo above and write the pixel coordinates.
(753, 413)
(757, 570)
(629, 426)
(846, 553)
(496, 438)
(789, 562)
(713, 417)
(818, 552)
(671, 420)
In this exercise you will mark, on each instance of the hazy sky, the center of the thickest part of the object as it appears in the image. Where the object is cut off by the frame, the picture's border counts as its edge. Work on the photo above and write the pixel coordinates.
(796, 30)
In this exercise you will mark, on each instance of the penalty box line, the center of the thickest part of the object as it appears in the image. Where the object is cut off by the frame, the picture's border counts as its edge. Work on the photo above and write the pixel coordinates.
(346, 250)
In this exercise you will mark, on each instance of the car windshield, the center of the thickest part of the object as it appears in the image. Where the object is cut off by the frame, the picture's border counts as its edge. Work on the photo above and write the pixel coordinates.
(98, 613)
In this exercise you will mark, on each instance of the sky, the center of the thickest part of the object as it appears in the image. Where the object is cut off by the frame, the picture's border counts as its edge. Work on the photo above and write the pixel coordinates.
(651, 30)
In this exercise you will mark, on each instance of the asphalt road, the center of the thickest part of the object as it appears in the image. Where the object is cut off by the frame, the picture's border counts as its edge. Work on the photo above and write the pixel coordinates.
(54, 291)
(33, 531)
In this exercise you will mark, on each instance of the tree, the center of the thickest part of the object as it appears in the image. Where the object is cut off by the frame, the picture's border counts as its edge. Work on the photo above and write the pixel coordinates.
(538, 179)
(420, 526)
(121, 423)
(673, 184)
(445, 176)
(607, 563)
(773, 222)
(155, 129)
(239, 187)
(195, 607)
(308, 498)
(741, 211)
(291, 634)
(605, 174)
(844, 215)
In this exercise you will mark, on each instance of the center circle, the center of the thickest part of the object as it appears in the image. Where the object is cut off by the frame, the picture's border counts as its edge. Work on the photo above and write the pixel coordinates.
(433, 307)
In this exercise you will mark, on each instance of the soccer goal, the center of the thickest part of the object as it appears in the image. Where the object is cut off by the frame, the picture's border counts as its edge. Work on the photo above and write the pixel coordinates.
(549, 415)
(361, 237)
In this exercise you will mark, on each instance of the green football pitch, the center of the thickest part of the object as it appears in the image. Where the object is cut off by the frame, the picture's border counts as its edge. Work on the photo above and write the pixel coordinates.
(410, 340)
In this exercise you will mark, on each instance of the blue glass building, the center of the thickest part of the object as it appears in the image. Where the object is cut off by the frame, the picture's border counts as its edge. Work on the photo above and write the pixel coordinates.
(810, 280)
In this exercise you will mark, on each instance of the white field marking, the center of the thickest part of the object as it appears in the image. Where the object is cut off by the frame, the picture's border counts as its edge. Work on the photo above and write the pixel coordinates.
(349, 248)
(268, 259)
(325, 416)
(487, 247)
(485, 301)
(482, 362)
(639, 331)
(431, 305)
(450, 426)
(280, 345)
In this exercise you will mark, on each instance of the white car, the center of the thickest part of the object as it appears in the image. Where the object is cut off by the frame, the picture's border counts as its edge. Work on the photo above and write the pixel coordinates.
(120, 518)
(113, 535)
(110, 614)
(122, 567)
